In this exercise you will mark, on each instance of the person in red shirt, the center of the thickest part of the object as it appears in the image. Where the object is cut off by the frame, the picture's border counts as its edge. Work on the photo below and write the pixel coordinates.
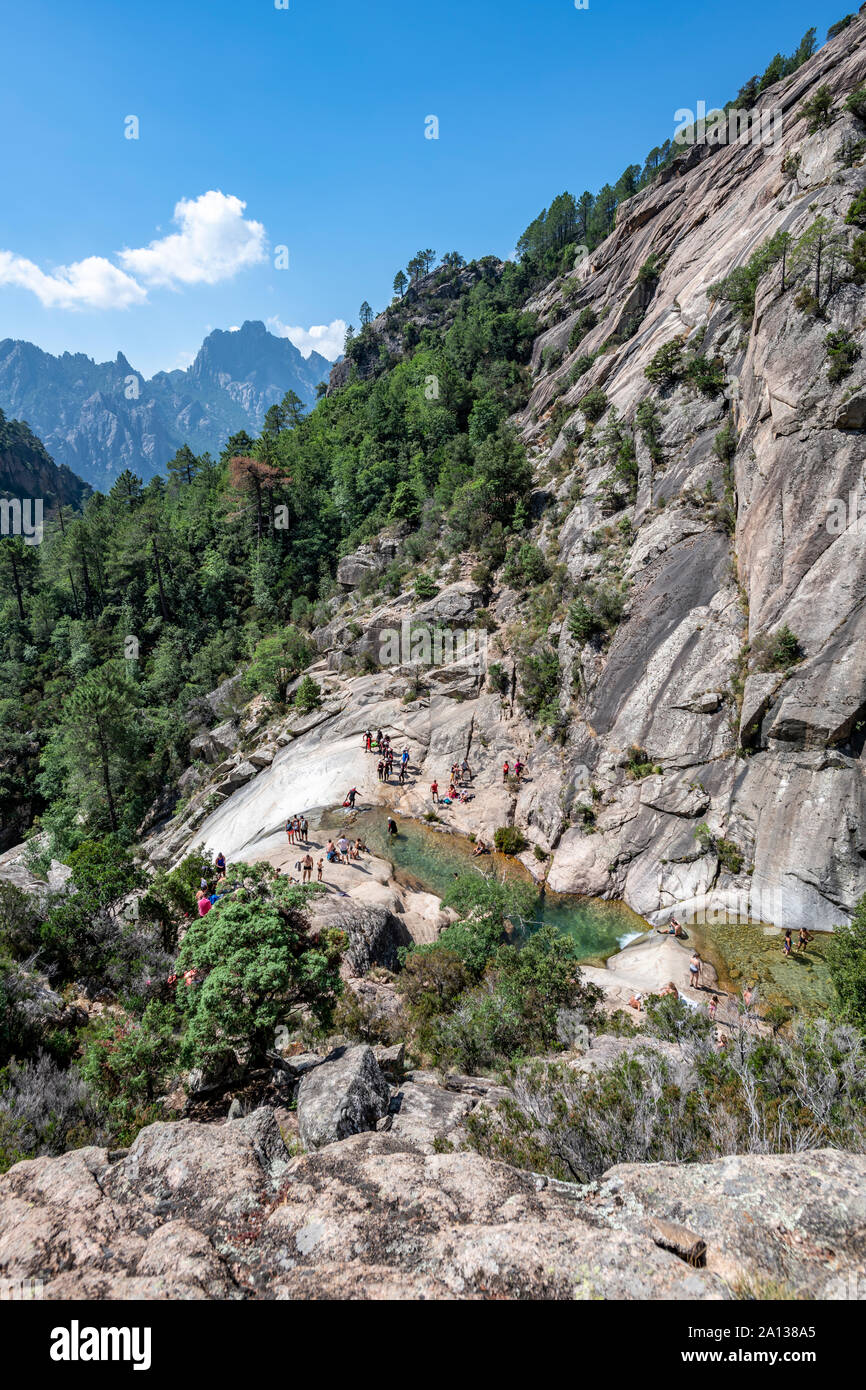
(505, 768)
(434, 791)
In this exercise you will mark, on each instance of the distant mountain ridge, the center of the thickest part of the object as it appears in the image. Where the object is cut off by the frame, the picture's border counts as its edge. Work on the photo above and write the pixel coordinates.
(99, 418)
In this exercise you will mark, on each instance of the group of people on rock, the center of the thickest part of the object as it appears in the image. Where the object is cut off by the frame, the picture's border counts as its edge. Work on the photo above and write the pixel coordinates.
(297, 830)
(461, 780)
(343, 851)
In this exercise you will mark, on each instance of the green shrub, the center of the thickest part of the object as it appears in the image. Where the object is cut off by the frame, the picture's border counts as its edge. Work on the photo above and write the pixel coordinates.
(706, 375)
(539, 679)
(128, 1064)
(816, 111)
(276, 661)
(666, 365)
(509, 840)
(425, 588)
(525, 565)
(739, 287)
(308, 695)
(855, 102)
(856, 214)
(580, 365)
(846, 959)
(593, 404)
(842, 353)
(776, 652)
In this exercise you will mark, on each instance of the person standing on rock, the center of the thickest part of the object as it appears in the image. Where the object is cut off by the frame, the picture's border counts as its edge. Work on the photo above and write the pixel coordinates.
(368, 740)
(343, 847)
(695, 970)
(321, 868)
(434, 792)
(465, 771)
(787, 943)
(290, 830)
(307, 867)
(305, 829)
(506, 767)
(404, 757)
(350, 796)
(220, 864)
(518, 769)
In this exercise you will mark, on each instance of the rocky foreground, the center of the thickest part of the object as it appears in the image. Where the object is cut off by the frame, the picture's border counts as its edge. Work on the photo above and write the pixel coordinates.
(384, 1205)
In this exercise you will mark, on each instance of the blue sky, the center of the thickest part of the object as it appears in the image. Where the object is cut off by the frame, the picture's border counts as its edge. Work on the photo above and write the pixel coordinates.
(306, 128)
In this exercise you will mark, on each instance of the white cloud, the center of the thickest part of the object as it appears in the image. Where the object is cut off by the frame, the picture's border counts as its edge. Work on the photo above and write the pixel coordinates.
(93, 283)
(326, 338)
(215, 241)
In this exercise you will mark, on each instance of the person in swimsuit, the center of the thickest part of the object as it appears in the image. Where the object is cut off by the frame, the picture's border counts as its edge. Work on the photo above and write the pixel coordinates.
(307, 867)
(695, 970)
(787, 943)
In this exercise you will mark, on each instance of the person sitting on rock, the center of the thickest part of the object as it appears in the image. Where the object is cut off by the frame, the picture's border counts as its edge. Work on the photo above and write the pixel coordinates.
(480, 847)
(670, 988)
(331, 852)
(204, 903)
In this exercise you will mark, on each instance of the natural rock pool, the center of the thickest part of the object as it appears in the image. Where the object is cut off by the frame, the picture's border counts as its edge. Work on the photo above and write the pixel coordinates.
(746, 953)
(426, 858)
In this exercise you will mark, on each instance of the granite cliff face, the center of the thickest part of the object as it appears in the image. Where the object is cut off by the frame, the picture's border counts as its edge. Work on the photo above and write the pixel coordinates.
(99, 418)
(772, 762)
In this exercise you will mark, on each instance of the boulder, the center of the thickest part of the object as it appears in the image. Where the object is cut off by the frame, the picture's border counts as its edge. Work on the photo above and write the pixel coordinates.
(215, 744)
(375, 936)
(421, 1115)
(346, 1095)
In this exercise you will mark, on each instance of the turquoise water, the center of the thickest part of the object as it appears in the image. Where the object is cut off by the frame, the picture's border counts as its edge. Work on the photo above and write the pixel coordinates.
(428, 859)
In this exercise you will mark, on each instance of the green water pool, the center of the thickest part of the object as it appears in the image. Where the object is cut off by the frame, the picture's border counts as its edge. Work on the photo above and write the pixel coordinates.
(428, 859)
(751, 954)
